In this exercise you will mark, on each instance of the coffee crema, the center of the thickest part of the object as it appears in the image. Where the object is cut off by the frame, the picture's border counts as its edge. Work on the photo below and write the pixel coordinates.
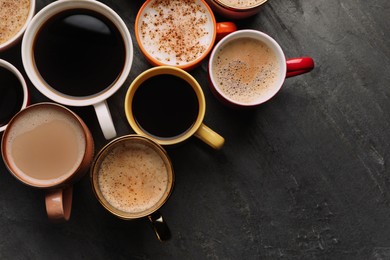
(241, 3)
(176, 32)
(245, 69)
(45, 144)
(133, 177)
(13, 16)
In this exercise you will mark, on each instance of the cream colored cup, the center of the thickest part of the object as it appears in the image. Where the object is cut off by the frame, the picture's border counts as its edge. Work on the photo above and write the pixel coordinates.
(97, 100)
(150, 174)
(198, 128)
(9, 25)
(17, 155)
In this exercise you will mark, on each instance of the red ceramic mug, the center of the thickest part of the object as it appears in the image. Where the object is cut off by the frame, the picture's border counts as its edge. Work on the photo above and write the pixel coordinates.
(248, 67)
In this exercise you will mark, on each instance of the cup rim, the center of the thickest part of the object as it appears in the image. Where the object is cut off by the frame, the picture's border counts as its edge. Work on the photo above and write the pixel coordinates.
(5, 64)
(239, 9)
(250, 33)
(33, 182)
(11, 41)
(163, 70)
(101, 155)
(187, 66)
(49, 11)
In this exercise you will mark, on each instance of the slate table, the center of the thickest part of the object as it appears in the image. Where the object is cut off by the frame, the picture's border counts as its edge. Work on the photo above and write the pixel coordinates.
(304, 176)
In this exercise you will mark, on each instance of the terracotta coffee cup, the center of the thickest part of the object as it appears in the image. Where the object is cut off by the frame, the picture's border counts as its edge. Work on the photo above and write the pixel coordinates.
(49, 147)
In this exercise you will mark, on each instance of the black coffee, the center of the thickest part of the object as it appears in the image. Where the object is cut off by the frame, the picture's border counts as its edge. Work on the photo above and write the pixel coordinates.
(11, 95)
(165, 106)
(79, 52)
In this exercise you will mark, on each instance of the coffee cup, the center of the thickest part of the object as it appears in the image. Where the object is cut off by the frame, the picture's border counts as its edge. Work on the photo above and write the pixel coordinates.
(167, 105)
(178, 33)
(132, 177)
(13, 93)
(14, 18)
(78, 53)
(248, 67)
(49, 147)
(234, 9)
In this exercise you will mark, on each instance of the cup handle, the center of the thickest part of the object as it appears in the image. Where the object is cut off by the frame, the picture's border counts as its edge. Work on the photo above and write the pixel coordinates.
(224, 28)
(298, 66)
(59, 204)
(105, 120)
(160, 227)
(210, 137)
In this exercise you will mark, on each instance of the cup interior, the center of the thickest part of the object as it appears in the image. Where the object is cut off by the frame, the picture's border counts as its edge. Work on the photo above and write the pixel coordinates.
(52, 10)
(110, 159)
(175, 33)
(22, 151)
(18, 35)
(155, 73)
(8, 66)
(240, 5)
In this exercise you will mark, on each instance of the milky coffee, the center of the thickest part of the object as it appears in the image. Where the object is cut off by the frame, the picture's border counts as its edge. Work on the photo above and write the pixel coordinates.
(133, 177)
(242, 3)
(245, 69)
(13, 16)
(176, 32)
(45, 143)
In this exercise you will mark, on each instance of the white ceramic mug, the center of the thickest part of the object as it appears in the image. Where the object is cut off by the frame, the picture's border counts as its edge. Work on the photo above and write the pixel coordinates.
(98, 100)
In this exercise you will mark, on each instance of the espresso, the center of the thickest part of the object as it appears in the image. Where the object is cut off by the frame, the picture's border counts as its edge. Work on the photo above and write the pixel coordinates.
(133, 177)
(79, 52)
(242, 3)
(11, 95)
(245, 69)
(175, 32)
(13, 16)
(45, 144)
(165, 106)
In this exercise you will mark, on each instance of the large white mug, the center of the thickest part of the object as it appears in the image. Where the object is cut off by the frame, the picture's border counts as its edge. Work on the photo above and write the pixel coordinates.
(66, 18)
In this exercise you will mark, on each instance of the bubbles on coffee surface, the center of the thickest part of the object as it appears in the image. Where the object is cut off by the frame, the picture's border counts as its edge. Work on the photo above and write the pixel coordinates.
(13, 15)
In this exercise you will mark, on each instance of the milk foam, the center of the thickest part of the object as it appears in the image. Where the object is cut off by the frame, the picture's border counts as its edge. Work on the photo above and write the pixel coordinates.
(45, 144)
(245, 69)
(13, 16)
(171, 33)
(133, 177)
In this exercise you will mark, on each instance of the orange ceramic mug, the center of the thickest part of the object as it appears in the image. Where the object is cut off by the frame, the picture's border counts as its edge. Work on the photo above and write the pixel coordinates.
(48, 146)
(178, 33)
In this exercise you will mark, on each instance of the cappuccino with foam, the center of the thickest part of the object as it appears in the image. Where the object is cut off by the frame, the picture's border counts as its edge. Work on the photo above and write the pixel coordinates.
(175, 32)
(13, 16)
(241, 3)
(245, 69)
(133, 177)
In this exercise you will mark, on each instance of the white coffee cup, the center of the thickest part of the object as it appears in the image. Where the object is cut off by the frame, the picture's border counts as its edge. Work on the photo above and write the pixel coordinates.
(98, 100)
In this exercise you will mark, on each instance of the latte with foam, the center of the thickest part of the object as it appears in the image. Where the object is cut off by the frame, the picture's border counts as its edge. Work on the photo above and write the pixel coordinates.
(133, 178)
(242, 3)
(13, 16)
(175, 32)
(45, 144)
(245, 69)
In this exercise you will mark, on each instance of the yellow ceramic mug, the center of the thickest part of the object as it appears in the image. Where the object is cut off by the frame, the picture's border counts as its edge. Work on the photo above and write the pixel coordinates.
(167, 105)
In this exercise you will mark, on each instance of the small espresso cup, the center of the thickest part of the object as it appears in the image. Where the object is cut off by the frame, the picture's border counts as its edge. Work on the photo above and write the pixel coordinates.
(47, 146)
(14, 18)
(178, 33)
(248, 67)
(132, 177)
(78, 53)
(234, 9)
(13, 93)
(167, 104)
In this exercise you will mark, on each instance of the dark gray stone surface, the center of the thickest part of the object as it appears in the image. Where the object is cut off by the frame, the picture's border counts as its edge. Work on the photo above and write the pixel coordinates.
(304, 176)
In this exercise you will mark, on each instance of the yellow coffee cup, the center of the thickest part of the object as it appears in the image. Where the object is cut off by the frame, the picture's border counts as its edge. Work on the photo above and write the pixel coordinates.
(167, 105)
